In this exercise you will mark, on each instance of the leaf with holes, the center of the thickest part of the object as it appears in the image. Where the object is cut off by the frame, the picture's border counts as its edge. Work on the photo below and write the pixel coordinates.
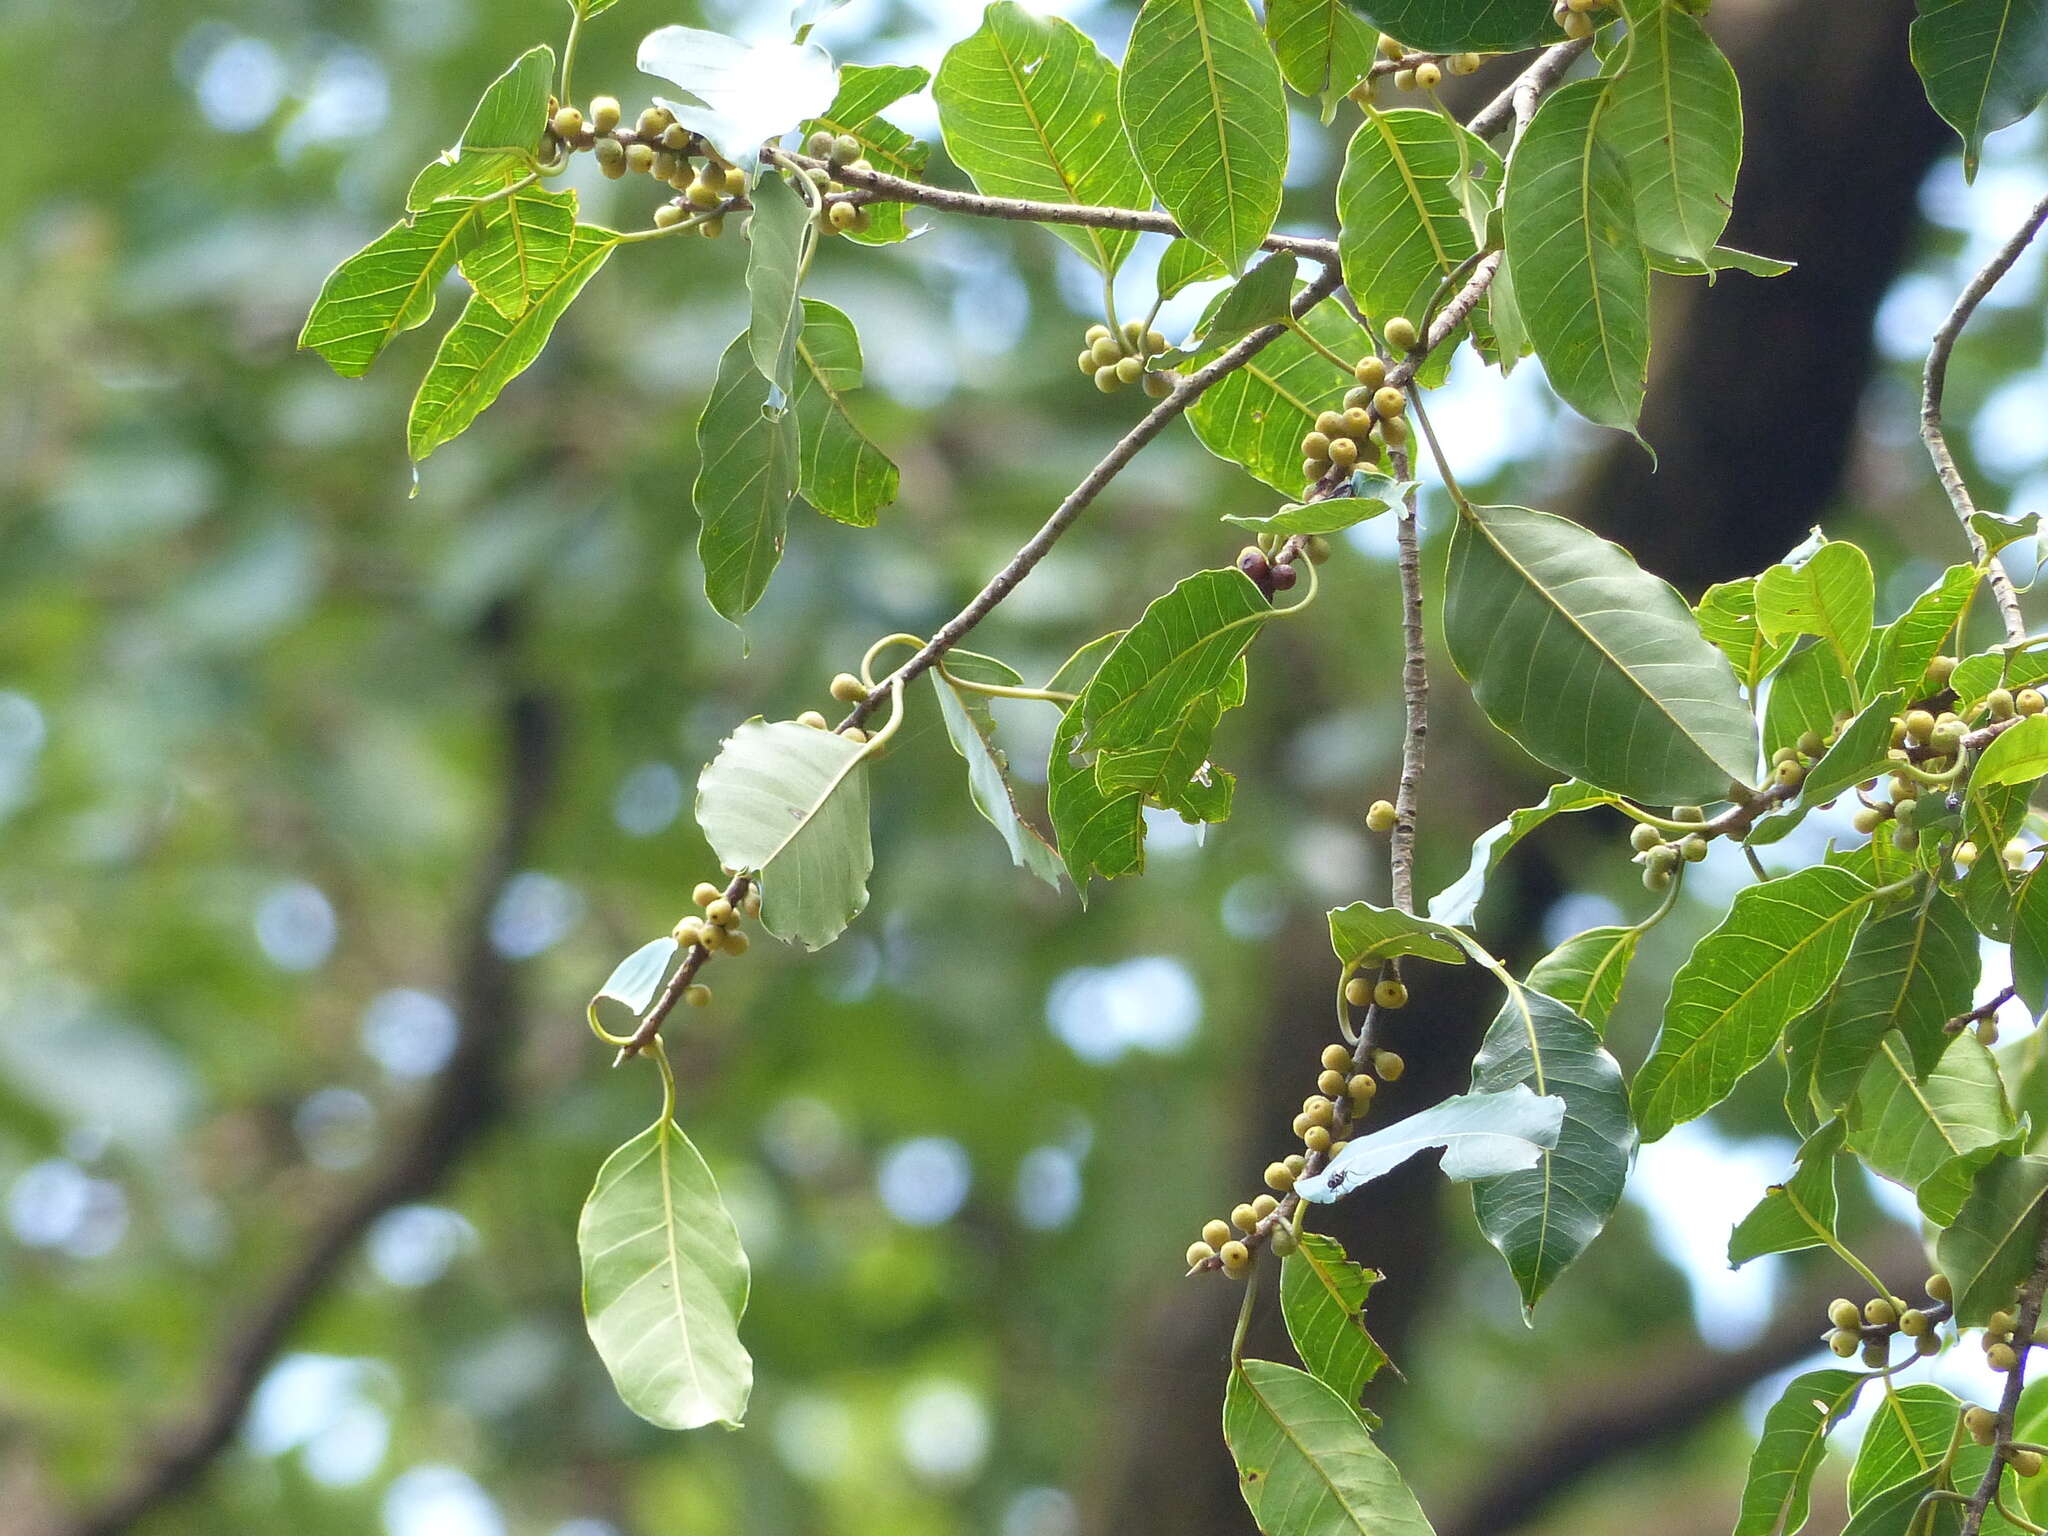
(746, 478)
(1028, 106)
(1595, 666)
(1771, 958)
(1544, 1217)
(839, 470)
(1305, 1463)
(665, 1282)
(1206, 115)
(790, 804)
(1582, 281)
(1322, 1298)
(483, 351)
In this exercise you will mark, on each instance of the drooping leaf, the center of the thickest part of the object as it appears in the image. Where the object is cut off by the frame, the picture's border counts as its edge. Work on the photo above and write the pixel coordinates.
(635, 979)
(1722, 258)
(1483, 1135)
(1456, 26)
(1593, 665)
(1930, 1134)
(1323, 48)
(387, 287)
(1829, 596)
(665, 1282)
(1984, 63)
(739, 95)
(790, 804)
(1305, 1464)
(1995, 1239)
(1727, 616)
(972, 728)
(1778, 1492)
(1581, 279)
(1997, 532)
(864, 90)
(1331, 514)
(502, 139)
(1362, 934)
(523, 241)
(1028, 106)
(1770, 959)
(1257, 415)
(1544, 1217)
(746, 478)
(1904, 647)
(839, 471)
(1402, 231)
(1206, 115)
(1911, 970)
(1184, 645)
(1457, 902)
(775, 246)
(1322, 1298)
(483, 351)
(1585, 973)
(1675, 120)
(1797, 1213)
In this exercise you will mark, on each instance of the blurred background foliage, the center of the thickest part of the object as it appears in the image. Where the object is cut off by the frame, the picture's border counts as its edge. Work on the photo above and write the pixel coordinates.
(324, 806)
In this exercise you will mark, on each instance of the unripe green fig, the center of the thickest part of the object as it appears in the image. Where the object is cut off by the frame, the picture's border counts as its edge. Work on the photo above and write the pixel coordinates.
(567, 122)
(1400, 333)
(604, 113)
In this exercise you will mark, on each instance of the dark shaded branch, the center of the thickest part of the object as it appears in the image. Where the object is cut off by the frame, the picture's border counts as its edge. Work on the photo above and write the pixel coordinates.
(467, 1101)
(2024, 1323)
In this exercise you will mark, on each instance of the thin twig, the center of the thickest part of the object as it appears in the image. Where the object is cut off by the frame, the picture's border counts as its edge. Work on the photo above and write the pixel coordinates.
(1539, 77)
(1931, 432)
(1414, 696)
(1186, 393)
(2025, 1320)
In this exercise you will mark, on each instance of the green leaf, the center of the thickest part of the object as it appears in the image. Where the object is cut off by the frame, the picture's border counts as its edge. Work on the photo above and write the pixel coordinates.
(1829, 595)
(1722, 258)
(1581, 278)
(1908, 1434)
(1674, 116)
(386, 287)
(1727, 616)
(1776, 1496)
(1905, 646)
(864, 90)
(1257, 415)
(1028, 106)
(1260, 298)
(839, 471)
(1585, 973)
(502, 140)
(1363, 933)
(1809, 693)
(665, 1282)
(1323, 49)
(1457, 902)
(1984, 63)
(521, 247)
(1322, 1298)
(1459, 26)
(1912, 971)
(1975, 676)
(1911, 1131)
(1861, 751)
(634, 981)
(746, 477)
(1483, 1135)
(1206, 115)
(1770, 959)
(1504, 312)
(1402, 232)
(775, 248)
(2017, 756)
(971, 726)
(1997, 532)
(790, 804)
(1182, 264)
(1171, 768)
(2029, 940)
(1305, 1464)
(1993, 1243)
(1544, 1217)
(1183, 646)
(1596, 667)
(1797, 1213)
(1332, 514)
(483, 351)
